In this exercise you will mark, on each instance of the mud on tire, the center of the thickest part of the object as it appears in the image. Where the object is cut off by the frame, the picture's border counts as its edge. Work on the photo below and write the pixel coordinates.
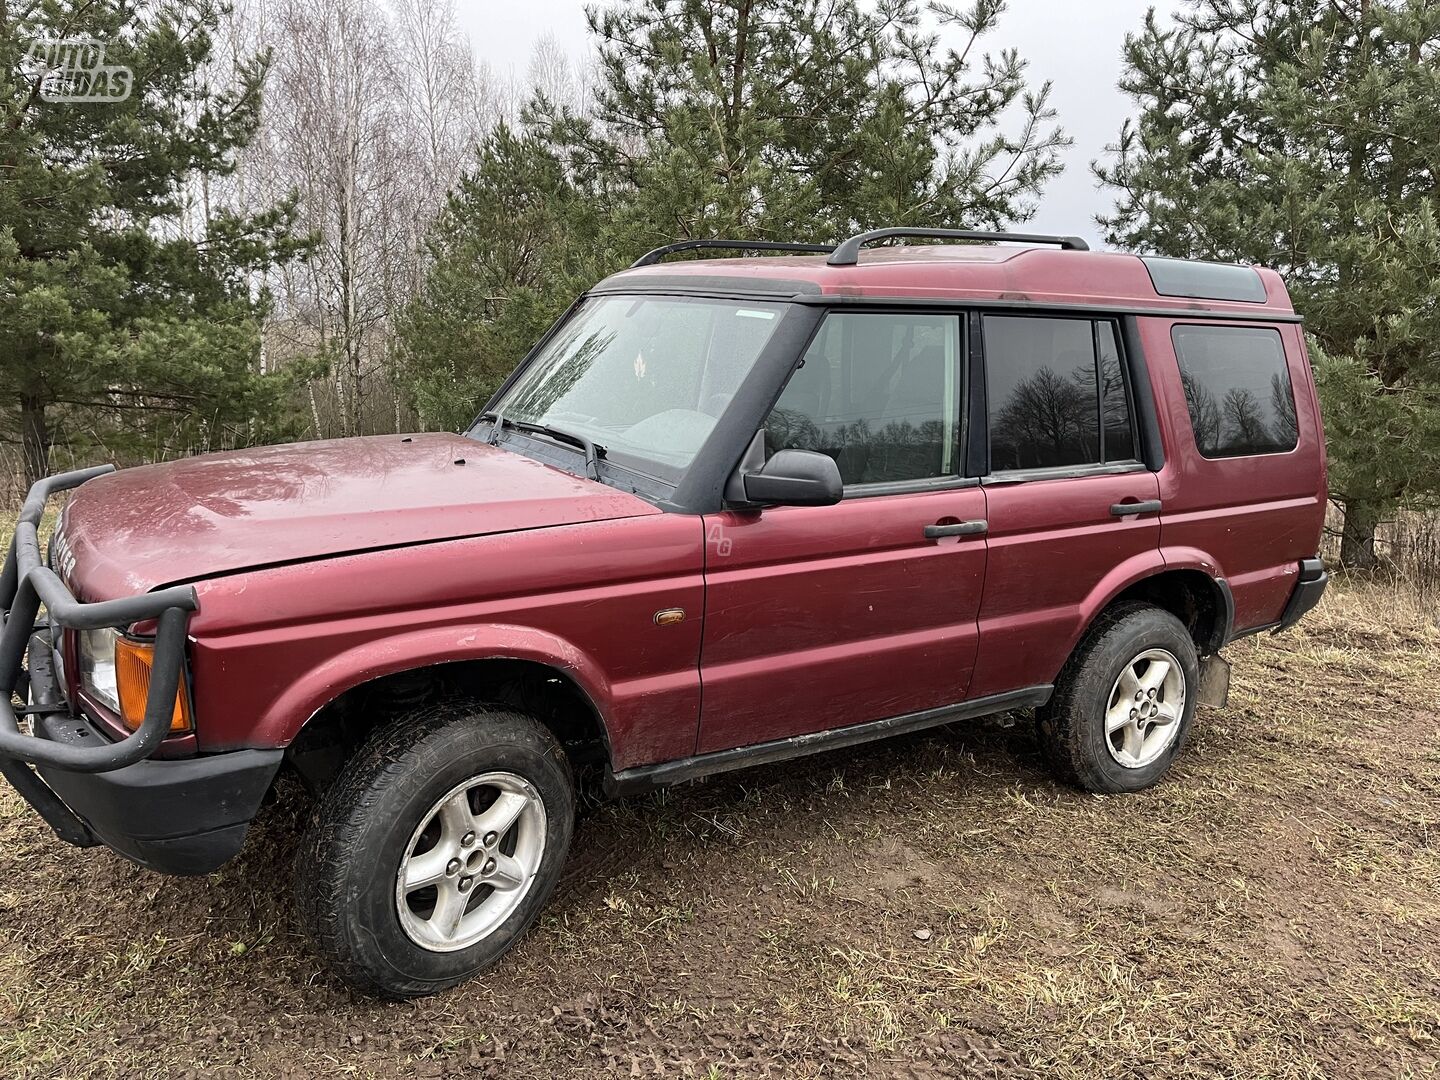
(1097, 733)
(395, 805)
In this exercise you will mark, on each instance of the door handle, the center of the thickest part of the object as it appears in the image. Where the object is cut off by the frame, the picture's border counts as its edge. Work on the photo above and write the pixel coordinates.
(960, 528)
(1149, 506)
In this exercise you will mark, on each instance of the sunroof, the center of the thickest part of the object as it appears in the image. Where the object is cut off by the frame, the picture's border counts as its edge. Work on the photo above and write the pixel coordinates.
(1204, 281)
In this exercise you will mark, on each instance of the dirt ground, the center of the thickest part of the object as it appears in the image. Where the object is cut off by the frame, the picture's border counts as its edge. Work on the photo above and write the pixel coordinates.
(932, 906)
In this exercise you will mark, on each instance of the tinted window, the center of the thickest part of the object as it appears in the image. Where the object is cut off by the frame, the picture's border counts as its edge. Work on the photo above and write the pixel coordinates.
(1204, 281)
(1049, 382)
(1237, 389)
(878, 393)
(1117, 432)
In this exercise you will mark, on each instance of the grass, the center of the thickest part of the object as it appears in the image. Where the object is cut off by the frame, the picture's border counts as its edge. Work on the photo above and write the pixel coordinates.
(934, 905)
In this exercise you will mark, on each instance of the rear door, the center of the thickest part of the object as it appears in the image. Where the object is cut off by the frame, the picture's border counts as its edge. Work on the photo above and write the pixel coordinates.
(823, 617)
(1071, 507)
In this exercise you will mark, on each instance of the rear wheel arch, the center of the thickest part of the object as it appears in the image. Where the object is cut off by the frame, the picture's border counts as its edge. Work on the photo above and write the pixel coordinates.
(1201, 602)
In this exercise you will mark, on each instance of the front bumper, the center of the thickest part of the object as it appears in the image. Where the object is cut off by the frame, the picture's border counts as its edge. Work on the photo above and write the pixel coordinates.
(183, 816)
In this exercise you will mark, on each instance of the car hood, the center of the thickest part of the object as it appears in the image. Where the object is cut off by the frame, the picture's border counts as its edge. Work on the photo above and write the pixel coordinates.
(137, 529)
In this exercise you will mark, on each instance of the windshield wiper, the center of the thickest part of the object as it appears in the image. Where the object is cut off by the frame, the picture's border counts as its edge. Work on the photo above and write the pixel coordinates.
(593, 450)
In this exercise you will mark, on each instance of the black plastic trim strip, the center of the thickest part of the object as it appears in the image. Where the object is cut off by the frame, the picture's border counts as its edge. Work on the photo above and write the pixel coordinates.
(1142, 395)
(646, 777)
(977, 450)
(910, 487)
(1098, 308)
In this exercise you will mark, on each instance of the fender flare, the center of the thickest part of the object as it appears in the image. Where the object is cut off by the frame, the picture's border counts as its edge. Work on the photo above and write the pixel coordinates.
(1153, 564)
(430, 647)
(1193, 558)
(1137, 568)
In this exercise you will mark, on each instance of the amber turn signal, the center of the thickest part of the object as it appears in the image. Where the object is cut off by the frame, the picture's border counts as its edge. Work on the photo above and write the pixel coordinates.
(133, 662)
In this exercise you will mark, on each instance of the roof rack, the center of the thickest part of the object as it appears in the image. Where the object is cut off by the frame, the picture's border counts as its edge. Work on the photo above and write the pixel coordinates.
(650, 258)
(848, 253)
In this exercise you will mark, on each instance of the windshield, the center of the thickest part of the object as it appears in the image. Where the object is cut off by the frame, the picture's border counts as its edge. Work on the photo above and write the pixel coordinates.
(643, 377)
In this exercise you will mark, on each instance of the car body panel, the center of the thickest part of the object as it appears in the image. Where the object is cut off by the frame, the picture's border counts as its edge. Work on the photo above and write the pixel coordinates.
(1248, 520)
(822, 617)
(1057, 555)
(273, 646)
(140, 528)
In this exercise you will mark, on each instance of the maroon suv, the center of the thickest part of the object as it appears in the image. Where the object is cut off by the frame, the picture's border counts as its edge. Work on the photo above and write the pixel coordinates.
(726, 512)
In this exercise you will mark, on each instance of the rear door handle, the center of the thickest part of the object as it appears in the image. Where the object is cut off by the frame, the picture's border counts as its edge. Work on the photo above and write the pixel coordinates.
(1149, 506)
(960, 528)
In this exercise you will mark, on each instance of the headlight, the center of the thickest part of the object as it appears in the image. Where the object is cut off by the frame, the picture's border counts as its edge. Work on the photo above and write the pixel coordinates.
(115, 671)
(97, 666)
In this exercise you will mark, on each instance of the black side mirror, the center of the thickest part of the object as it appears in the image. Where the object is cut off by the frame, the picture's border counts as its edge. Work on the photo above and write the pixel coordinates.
(795, 478)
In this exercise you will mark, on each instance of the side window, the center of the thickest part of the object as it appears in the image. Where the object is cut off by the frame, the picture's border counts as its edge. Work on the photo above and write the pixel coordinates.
(1117, 432)
(1056, 393)
(1237, 388)
(878, 393)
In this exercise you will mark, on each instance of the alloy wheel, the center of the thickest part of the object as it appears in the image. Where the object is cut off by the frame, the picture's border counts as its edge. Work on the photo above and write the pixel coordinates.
(470, 861)
(1142, 716)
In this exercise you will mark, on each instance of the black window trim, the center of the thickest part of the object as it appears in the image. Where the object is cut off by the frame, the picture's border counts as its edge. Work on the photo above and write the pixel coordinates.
(1116, 310)
(1284, 366)
(1147, 416)
(961, 477)
(1094, 316)
(879, 488)
(1127, 388)
(1063, 472)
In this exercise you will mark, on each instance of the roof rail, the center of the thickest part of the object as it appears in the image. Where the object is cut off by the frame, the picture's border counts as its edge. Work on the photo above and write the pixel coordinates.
(848, 253)
(650, 258)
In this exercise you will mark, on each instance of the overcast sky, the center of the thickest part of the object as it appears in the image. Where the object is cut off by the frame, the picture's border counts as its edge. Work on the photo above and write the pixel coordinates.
(1074, 43)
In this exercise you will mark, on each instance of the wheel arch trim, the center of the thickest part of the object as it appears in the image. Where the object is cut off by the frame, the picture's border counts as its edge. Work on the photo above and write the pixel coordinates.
(435, 647)
(1152, 566)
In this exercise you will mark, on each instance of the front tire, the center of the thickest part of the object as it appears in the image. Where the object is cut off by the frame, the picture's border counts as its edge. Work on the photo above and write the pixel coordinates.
(436, 848)
(1123, 703)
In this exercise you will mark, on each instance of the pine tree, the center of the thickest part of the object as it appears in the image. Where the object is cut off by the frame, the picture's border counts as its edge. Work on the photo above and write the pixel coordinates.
(801, 119)
(517, 239)
(1303, 136)
(128, 314)
(745, 119)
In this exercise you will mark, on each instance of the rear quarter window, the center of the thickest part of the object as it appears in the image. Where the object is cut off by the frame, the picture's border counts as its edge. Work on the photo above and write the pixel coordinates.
(1237, 389)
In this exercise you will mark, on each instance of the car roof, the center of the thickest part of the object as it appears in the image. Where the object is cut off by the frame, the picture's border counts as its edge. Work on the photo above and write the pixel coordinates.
(985, 272)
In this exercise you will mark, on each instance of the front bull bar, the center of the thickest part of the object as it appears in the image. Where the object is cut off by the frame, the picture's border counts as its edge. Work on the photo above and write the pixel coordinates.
(26, 582)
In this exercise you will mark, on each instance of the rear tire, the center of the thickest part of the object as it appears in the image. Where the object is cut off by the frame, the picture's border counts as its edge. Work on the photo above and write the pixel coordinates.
(436, 848)
(1123, 703)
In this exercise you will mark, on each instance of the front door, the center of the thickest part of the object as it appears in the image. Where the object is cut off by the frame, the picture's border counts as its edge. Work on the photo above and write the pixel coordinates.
(823, 617)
